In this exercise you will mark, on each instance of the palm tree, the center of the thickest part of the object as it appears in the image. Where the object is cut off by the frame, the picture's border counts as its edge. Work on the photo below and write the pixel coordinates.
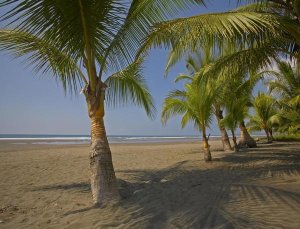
(287, 120)
(285, 83)
(224, 135)
(285, 86)
(235, 113)
(258, 32)
(264, 106)
(237, 91)
(196, 64)
(90, 43)
(195, 104)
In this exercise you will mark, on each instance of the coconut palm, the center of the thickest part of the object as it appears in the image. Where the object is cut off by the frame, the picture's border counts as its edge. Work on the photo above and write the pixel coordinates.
(287, 120)
(259, 33)
(244, 93)
(90, 43)
(196, 64)
(195, 104)
(236, 110)
(285, 86)
(237, 91)
(265, 109)
(285, 83)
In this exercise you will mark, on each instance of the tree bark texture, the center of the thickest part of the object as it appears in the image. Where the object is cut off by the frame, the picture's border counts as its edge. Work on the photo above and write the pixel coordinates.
(224, 135)
(103, 179)
(206, 147)
(246, 140)
(236, 147)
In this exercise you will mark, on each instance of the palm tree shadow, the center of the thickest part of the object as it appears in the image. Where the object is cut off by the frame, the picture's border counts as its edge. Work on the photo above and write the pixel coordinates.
(178, 197)
(82, 187)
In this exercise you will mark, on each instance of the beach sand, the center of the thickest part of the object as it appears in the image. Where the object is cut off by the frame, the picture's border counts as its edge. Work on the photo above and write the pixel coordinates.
(164, 185)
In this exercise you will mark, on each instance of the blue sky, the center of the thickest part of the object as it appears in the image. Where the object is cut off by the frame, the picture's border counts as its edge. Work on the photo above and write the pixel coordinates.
(37, 104)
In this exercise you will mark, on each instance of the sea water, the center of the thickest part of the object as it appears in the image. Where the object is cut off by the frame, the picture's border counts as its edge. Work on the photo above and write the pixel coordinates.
(85, 139)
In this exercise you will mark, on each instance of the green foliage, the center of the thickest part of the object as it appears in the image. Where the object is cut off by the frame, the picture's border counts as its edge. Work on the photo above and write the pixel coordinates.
(287, 120)
(129, 85)
(237, 96)
(112, 29)
(285, 85)
(100, 36)
(195, 104)
(287, 137)
(43, 56)
(265, 109)
(249, 37)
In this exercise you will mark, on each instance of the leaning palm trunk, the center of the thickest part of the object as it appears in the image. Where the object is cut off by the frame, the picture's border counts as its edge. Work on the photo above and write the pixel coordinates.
(246, 140)
(103, 180)
(271, 134)
(236, 147)
(206, 146)
(268, 136)
(224, 135)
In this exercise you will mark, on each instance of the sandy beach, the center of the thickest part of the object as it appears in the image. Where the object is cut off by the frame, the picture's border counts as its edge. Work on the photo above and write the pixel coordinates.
(163, 185)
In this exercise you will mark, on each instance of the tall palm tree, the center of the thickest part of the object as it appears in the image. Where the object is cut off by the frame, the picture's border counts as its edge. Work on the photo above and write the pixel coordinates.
(265, 109)
(236, 110)
(196, 64)
(89, 43)
(238, 91)
(195, 104)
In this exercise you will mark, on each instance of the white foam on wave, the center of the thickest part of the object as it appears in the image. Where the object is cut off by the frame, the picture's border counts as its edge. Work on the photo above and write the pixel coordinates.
(50, 138)
(166, 137)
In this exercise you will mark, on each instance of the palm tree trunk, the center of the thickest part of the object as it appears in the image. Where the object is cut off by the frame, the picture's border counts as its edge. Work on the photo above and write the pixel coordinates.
(224, 135)
(236, 147)
(271, 134)
(246, 140)
(268, 135)
(103, 179)
(206, 147)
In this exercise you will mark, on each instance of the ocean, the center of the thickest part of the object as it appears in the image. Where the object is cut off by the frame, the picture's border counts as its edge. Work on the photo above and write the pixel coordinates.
(85, 139)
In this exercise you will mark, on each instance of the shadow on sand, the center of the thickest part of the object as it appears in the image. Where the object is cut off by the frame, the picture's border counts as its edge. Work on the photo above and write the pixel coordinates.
(221, 197)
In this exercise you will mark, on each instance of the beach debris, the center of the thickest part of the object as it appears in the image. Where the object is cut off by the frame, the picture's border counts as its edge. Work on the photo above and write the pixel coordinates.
(148, 182)
(1, 221)
(163, 180)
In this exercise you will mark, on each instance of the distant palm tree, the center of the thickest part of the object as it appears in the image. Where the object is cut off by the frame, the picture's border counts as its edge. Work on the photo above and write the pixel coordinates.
(89, 43)
(265, 109)
(195, 104)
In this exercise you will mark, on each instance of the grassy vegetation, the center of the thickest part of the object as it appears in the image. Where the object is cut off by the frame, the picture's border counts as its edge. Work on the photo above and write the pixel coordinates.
(287, 137)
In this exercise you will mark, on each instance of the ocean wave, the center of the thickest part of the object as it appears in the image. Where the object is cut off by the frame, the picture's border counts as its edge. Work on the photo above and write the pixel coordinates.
(50, 138)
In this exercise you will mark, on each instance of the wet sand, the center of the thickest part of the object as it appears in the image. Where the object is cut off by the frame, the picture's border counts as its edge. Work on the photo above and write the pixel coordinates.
(164, 185)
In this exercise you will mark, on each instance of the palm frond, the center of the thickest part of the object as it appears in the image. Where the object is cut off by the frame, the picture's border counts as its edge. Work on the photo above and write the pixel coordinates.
(141, 16)
(129, 85)
(43, 56)
(188, 34)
